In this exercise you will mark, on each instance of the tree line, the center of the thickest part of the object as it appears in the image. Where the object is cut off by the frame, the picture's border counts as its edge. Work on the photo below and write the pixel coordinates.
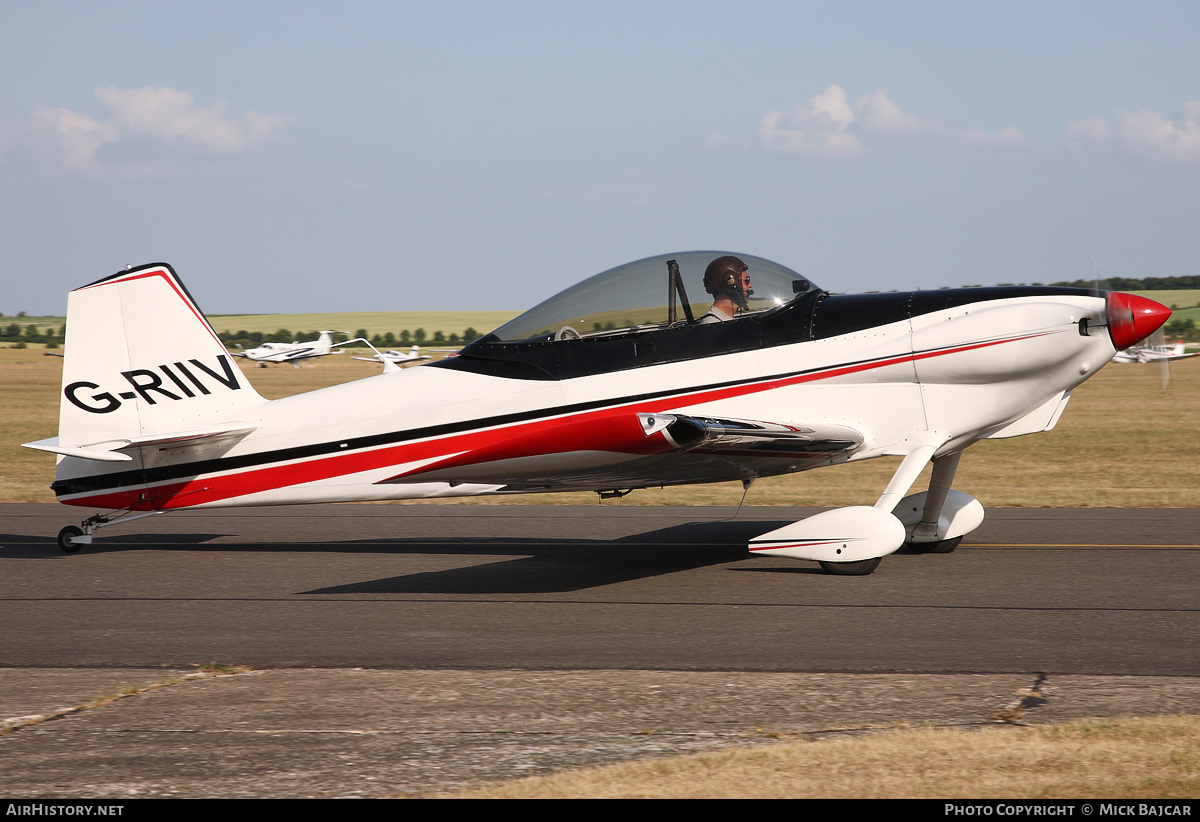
(47, 335)
(1135, 283)
(52, 336)
(251, 339)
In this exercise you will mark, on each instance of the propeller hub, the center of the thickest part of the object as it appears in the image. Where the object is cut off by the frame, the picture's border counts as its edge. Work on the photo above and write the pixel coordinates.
(1132, 319)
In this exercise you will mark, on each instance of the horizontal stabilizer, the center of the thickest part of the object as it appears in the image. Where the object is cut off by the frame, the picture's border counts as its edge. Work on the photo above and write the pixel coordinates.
(109, 450)
(82, 452)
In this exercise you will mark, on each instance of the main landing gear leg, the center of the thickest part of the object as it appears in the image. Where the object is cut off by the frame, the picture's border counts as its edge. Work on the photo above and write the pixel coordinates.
(938, 519)
(935, 501)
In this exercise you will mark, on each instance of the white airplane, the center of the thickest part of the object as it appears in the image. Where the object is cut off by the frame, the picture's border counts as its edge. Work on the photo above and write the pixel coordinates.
(399, 357)
(291, 352)
(1154, 353)
(615, 384)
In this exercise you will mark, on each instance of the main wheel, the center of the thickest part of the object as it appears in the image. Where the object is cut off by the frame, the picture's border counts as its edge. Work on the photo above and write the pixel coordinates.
(944, 546)
(67, 537)
(851, 569)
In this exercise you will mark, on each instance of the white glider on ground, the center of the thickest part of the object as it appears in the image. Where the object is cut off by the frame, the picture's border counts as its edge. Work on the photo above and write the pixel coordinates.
(413, 355)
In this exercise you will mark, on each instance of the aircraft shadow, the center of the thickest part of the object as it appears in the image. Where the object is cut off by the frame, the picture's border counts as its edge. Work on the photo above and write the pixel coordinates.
(563, 566)
(545, 565)
(24, 546)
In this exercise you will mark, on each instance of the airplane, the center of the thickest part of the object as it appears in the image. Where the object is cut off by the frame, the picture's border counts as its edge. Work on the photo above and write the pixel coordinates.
(1154, 353)
(615, 384)
(400, 357)
(291, 352)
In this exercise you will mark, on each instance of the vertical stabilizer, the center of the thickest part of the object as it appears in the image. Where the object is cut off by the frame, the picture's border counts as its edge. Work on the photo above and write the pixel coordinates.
(141, 360)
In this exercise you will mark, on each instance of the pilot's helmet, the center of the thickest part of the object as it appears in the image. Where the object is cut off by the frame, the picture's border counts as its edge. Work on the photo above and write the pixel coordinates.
(724, 275)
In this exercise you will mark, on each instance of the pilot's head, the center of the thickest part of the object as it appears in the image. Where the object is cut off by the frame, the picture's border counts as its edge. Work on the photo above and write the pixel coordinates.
(728, 275)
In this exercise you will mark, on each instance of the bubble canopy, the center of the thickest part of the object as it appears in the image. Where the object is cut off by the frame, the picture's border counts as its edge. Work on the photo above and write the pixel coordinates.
(639, 296)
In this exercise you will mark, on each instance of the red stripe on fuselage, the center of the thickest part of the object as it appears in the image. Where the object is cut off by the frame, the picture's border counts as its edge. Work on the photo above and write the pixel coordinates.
(604, 429)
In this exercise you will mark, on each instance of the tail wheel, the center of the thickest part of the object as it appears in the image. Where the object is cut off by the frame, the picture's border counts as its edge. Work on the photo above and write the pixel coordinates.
(851, 569)
(67, 537)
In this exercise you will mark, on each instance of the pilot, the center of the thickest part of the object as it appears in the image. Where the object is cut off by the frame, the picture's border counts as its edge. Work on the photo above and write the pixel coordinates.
(728, 280)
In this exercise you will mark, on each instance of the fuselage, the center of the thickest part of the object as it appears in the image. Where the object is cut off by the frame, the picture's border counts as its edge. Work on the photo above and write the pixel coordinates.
(563, 414)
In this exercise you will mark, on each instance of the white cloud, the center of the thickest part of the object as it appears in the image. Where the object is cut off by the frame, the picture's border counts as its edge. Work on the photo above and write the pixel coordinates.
(1147, 134)
(828, 126)
(171, 115)
(817, 129)
(71, 141)
(880, 113)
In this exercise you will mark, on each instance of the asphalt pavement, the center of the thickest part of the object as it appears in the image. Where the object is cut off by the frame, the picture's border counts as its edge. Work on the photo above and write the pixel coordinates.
(370, 651)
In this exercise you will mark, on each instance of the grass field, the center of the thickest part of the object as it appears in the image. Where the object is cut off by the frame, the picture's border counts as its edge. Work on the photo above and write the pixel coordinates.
(1130, 758)
(1123, 441)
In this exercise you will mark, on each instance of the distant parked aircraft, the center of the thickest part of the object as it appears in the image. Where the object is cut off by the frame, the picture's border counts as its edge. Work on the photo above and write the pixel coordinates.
(291, 352)
(1154, 353)
(399, 357)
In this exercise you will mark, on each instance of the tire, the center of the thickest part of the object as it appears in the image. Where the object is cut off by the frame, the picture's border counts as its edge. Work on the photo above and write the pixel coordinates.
(66, 539)
(943, 547)
(851, 569)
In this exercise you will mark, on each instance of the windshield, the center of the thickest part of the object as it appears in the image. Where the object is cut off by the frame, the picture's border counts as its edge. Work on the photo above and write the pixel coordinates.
(639, 296)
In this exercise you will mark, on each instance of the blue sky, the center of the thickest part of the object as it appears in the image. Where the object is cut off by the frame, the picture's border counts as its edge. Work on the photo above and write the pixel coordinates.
(355, 156)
